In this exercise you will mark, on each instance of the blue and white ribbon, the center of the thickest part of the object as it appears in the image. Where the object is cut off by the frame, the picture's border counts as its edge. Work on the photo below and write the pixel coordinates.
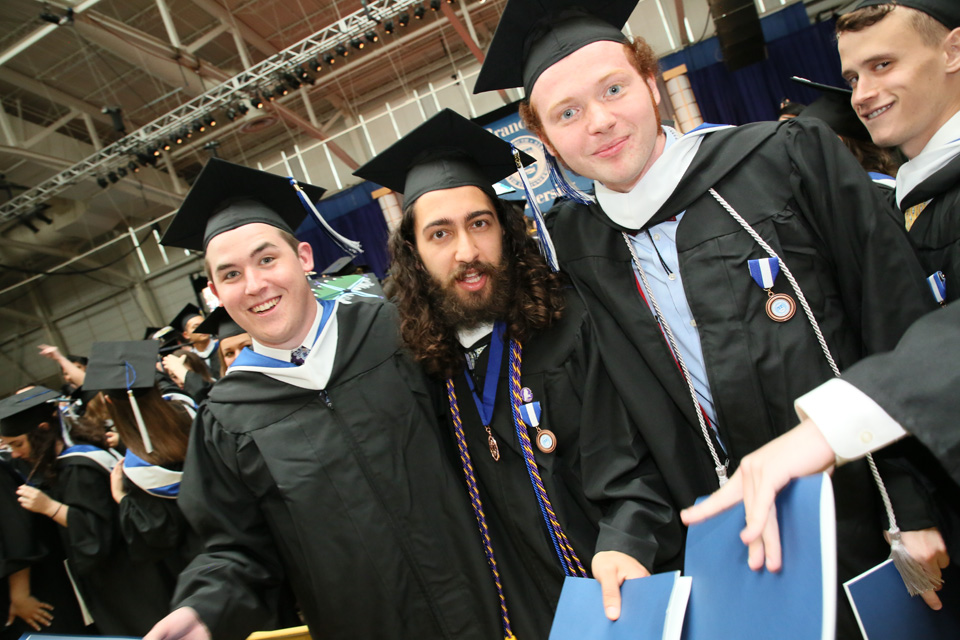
(543, 236)
(155, 480)
(530, 414)
(764, 271)
(350, 246)
(938, 286)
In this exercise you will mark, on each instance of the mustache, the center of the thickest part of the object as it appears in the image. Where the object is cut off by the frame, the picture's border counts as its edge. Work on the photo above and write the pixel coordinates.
(482, 268)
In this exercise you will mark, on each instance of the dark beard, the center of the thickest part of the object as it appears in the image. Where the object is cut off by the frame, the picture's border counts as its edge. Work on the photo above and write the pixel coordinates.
(477, 307)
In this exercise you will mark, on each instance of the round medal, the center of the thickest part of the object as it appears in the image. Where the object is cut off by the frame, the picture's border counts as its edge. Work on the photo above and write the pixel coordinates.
(526, 395)
(781, 307)
(546, 441)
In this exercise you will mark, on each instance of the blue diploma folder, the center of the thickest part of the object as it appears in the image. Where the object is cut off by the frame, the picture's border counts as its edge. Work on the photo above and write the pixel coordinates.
(885, 610)
(651, 609)
(728, 600)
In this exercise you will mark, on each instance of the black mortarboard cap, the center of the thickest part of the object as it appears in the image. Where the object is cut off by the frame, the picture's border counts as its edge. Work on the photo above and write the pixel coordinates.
(533, 35)
(124, 366)
(945, 11)
(444, 152)
(226, 196)
(220, 324)
(189, 310)
(833, 107)
(21, 413)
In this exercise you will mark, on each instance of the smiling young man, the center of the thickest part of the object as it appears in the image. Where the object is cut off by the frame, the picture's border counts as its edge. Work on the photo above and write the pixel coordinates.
(678, 255)
(530, 407)
(903, 62)
(316, 458)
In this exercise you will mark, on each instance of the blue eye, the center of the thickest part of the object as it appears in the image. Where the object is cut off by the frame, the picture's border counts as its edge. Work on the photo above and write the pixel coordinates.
(566, 114)
(614, 90)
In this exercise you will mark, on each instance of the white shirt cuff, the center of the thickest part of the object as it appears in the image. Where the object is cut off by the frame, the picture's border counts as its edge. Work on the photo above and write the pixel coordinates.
(851, 422)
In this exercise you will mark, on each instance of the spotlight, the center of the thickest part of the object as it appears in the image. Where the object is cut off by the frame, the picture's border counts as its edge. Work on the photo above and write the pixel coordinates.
(271, 97)
(435, 5)
(199, 126)
(291, 81)
(232, 114)
(211, 121)
(113, 176)
(143, 158)
(122, 172)
(419, 12)
(356, 43)
(342, 50)
(329, 58)
(280, 90)
(388, 26)
(185, 133)
(404, 19)
(134, 167)
(166, 145)
(102, 182)
(177, 138)
(372, 37)
(257, 101)
(242, 108)
(305, 76)
(315, 64)
(154, 152)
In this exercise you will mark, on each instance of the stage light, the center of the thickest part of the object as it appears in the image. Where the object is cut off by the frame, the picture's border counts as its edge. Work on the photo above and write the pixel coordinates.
(419, 12)
(257, 101)
(199, 126)
(388, 26)
(113, 177)
(232, 113)
(102, 182)
(242, 108)
(315, 64)
(329, 58)
(372, 37)
(435, 5)
(134, 167)
(166, 145)
(122, 172)
(211, 121)
(342, 50)
(404, 19)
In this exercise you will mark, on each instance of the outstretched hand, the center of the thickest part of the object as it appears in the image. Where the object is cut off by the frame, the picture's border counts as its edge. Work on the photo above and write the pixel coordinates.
(802, 451)
(181, 624)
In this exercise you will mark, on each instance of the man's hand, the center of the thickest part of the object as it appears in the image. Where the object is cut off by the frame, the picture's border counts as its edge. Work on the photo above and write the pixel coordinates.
(611, 568)
(32, 499)
(928, 548)
(50, 351)
(176, 368)
(35, 613)
(182, 624)
(802, 451)
(116, 483)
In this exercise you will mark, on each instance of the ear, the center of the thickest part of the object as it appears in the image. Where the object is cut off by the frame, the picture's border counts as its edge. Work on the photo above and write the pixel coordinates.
(654, 89)
(305, 255)
(951, 46)
(213, 287)
(44, 426)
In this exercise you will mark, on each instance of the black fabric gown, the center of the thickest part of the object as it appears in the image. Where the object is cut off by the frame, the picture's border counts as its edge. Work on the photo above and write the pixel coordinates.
(603, 498)
(803, 192)
(125, 597)
(346, 492)
(30, 541)
(936, 232)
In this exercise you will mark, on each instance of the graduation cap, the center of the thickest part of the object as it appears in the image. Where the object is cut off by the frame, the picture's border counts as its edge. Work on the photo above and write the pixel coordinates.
(189, 310)
(226, 196)
(445, 152)
(945, 11)
(220, 324)
(533, 35)
(21, 413)
(124, 366)
(833, 107)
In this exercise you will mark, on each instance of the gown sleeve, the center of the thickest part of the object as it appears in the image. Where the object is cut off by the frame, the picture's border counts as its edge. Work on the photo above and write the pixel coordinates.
(90, 531)
(228, 581)
(152, 527)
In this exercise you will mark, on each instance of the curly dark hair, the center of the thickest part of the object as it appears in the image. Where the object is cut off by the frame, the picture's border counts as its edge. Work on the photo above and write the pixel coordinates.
(536, 297)
(43, 440)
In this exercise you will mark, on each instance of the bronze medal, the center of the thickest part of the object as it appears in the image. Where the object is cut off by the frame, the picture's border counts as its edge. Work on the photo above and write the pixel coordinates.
(492, 443)
(780, 307)
(546, 441)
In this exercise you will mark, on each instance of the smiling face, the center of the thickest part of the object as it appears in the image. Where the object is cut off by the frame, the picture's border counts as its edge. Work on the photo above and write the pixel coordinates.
(599, 115)
(260, 280)
(904, 88)
(232, 346)
(460, 243)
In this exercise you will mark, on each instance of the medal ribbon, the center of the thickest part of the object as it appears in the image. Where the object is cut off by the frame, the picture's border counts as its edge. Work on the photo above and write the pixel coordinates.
(764, 271)
(568, 558)
(492, 376)
(938, 286)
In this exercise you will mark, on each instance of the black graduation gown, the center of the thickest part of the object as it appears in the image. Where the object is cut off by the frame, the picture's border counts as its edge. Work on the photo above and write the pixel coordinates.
(29, 541)
(345, 492)
(928, 407)
(802, 191)
(936, 232)
(604, 487)
(155, 530)
(124, 597)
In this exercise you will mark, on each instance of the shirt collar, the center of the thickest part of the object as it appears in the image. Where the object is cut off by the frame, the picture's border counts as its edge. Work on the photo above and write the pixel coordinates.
(470, 337)
(949, 132)
(284, 354)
